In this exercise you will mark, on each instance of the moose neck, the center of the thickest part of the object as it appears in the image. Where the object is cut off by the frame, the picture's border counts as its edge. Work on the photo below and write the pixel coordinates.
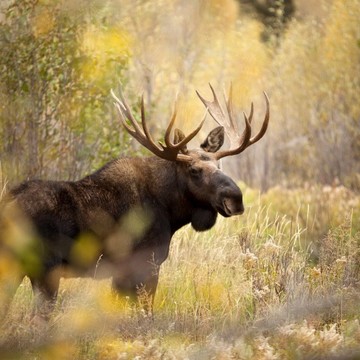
(168, 185)
(160, 185)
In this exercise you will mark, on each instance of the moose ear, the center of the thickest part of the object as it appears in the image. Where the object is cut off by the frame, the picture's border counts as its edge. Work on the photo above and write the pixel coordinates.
(214, 140)
(178, 136)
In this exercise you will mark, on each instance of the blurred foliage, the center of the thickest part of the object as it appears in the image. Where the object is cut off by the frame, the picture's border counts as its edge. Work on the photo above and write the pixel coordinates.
(275, 14)
(315, 82)
(314, 207)
(55, 76)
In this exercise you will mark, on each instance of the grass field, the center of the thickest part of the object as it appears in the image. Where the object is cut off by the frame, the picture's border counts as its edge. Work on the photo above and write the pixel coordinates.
(280, 282)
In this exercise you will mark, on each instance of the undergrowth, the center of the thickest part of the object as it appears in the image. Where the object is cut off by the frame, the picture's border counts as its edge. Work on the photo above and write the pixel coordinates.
(280, 282)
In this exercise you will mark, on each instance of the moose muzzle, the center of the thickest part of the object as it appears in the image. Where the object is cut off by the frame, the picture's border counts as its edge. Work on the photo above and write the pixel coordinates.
(229, 200)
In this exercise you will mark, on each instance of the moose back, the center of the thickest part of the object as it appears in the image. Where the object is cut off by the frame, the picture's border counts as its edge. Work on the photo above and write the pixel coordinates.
(119, 221)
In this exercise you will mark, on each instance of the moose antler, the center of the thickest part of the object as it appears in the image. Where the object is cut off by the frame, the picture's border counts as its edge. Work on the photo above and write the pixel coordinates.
(169, 151)
(238, 143)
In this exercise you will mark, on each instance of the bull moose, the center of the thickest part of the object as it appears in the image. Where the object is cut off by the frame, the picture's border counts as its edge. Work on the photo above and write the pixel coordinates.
(123, 216)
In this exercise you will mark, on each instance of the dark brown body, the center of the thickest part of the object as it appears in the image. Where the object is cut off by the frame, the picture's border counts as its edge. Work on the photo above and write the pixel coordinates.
(157, 194)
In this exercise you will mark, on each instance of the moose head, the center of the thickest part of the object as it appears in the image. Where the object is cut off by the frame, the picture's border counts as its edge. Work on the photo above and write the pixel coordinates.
(198, 169)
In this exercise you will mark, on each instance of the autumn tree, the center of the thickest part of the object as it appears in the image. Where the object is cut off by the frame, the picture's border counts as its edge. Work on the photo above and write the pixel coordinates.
(54, 90)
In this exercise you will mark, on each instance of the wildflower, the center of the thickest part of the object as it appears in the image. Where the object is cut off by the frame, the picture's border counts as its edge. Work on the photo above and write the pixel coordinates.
(287, 330)
(261, 293)
(315, 272)
(304, 334)
(264, 349)
(249, 259)
(327, 340)
(330, 339)
(271, 247)
(341, 261)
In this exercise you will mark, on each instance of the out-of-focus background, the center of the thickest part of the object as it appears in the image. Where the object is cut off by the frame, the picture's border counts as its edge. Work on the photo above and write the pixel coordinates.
(59, 60)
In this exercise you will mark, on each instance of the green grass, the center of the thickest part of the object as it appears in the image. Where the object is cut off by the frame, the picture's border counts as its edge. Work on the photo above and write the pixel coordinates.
(280, 282)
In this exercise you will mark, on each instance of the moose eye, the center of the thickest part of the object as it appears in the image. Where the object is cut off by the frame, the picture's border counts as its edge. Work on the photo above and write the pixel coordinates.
(195, 171)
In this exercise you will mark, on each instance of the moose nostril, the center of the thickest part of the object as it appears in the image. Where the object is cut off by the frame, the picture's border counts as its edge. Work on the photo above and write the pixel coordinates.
(233, 207)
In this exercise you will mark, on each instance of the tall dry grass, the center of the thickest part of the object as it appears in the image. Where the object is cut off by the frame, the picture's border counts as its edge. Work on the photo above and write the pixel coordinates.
(252, 287)
(314, 81)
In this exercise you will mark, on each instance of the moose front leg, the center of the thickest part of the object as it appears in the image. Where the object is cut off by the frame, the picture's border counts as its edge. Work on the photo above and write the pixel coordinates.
(137, 276)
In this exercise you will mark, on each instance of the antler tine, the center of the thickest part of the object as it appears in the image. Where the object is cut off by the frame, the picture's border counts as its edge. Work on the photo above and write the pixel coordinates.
(238, 143)
(170, 126)
(245, 136)
(214, 107)
(145, 127)
(191, 135)
(125, 110)
(265, 124)
(186, 139)
(229, 107)
(251, 112)
(121, 108)
(143, 136)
